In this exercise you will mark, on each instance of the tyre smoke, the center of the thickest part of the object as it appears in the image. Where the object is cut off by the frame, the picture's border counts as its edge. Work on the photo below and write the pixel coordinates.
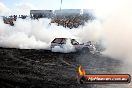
(117, 32)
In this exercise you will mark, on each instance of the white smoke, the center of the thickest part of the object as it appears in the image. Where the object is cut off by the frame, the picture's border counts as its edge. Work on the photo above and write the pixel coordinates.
(22, 9)
(117, 31)
(90, 32)
(3, 9)
(30, 34)
(34, 34)
(65, 48)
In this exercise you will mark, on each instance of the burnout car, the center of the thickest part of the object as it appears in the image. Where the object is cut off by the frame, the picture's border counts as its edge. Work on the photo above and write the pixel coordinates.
(84, 47)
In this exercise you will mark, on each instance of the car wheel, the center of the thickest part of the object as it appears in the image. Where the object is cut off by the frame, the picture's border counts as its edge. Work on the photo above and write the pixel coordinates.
(85, 50)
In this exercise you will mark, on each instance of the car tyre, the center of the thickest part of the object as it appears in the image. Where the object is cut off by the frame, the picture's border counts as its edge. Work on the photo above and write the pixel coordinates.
(85, 50)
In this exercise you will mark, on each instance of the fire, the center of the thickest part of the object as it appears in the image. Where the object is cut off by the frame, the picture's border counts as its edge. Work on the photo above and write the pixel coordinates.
(81, 71)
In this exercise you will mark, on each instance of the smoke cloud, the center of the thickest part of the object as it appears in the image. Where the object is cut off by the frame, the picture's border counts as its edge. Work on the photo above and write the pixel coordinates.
(34, 34)
(22, 8)
(23, 35)
(3, 9)
(65, 49)
(117, 32)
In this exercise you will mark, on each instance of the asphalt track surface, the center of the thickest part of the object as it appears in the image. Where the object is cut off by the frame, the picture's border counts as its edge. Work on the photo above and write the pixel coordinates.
(29, 68)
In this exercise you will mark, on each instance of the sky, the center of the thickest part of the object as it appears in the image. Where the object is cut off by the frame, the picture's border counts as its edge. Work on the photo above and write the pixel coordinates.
(55, 4)
(45, 4)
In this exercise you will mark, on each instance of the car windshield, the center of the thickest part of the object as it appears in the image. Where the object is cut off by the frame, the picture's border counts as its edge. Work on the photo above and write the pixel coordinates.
(59, 40)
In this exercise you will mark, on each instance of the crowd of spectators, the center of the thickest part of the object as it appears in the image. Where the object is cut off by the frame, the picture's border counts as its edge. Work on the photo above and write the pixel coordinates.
(10, 19)
(71, 21)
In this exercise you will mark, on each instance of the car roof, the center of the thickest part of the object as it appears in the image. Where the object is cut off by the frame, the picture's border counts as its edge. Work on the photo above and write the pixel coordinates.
(63, 38)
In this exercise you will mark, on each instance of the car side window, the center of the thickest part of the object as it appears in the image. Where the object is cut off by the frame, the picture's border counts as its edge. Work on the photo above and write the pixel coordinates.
(74, 42)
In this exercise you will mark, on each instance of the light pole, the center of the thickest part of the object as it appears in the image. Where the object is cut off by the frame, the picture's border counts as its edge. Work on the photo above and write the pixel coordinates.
(60, 4)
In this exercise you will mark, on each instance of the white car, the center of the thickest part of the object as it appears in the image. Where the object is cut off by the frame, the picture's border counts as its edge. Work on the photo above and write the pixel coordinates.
(61, 42)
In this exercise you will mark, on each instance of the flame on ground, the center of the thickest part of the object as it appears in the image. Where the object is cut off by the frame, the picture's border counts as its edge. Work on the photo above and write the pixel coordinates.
(81, 71)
